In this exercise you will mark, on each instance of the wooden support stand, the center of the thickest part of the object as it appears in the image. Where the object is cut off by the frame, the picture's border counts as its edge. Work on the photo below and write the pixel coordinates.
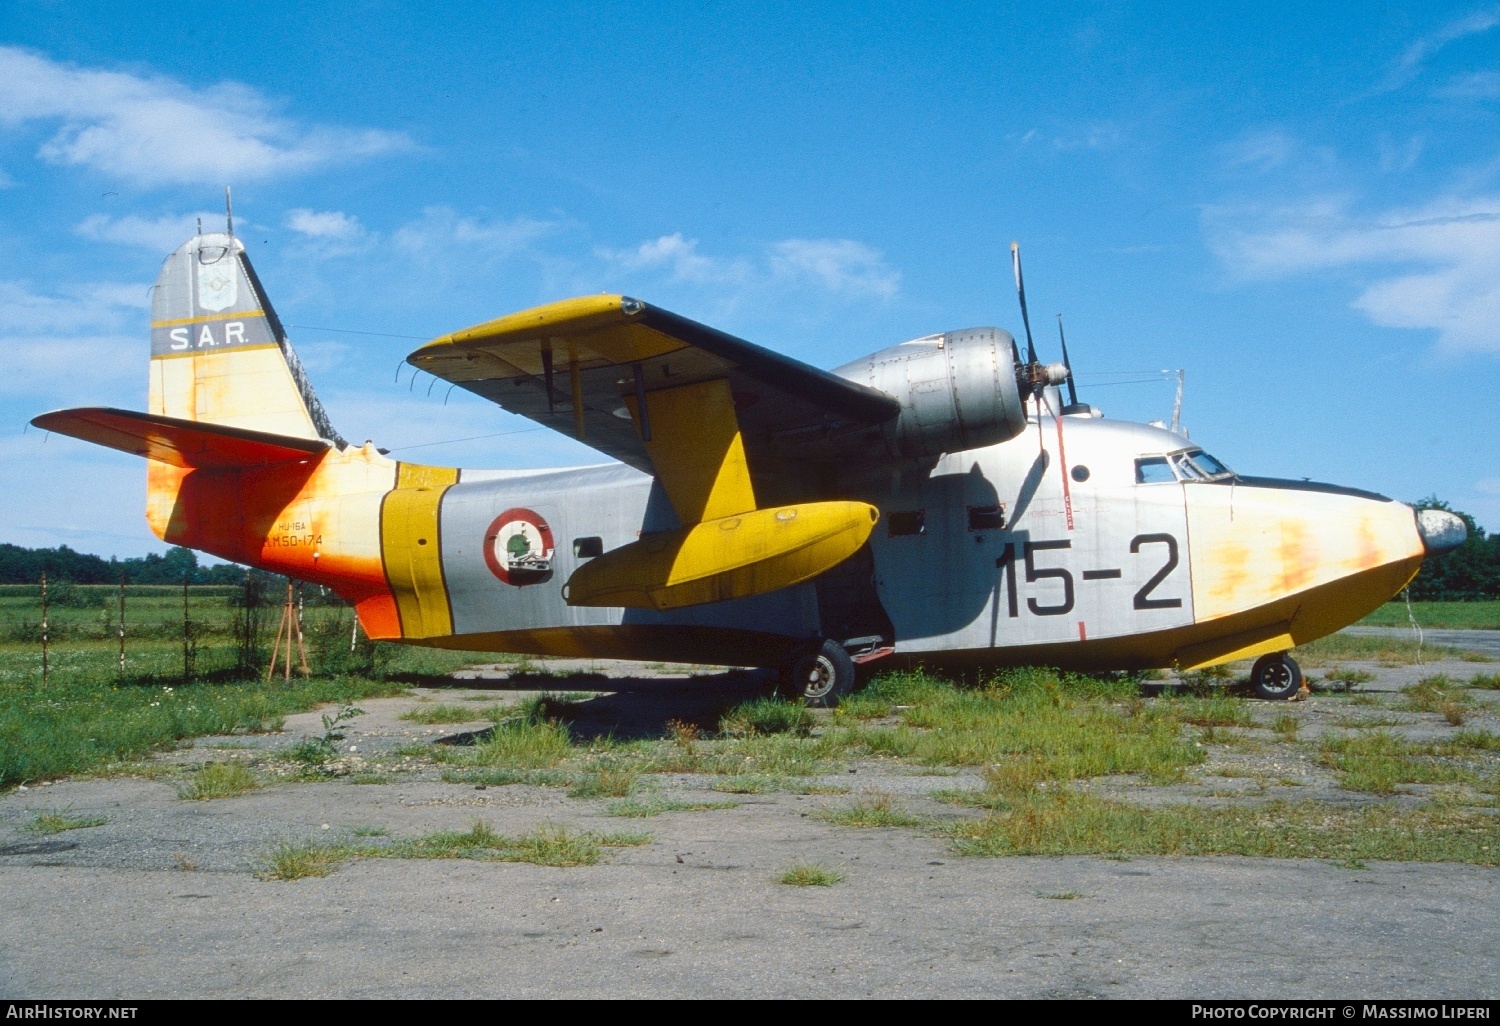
(290, 627)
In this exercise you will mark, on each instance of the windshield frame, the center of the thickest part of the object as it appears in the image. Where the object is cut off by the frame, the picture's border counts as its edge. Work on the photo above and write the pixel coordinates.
(1189, 470)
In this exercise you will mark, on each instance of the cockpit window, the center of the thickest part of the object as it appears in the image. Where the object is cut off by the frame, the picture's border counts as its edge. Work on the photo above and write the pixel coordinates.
(1205, 465)
(1185, 468)
(1153, 470)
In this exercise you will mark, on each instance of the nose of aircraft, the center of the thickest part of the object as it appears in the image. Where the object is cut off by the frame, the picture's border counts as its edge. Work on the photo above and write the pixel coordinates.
(1441, 531)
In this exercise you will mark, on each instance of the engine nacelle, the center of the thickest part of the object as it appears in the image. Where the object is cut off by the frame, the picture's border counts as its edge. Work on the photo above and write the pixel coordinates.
(957, 390)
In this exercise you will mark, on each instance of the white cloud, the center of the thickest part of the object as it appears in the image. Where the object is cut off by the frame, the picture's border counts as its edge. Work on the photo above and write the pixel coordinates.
(1481, 85)
(155, 130)
(74, 370)
(1435, 266)
(833, 265)
(838, 265)
(1262, 150)
(1094, 136)
(1398, 157)
(100, 305)
(440, 230)
(1101, 136)
(681, 257)
(160, 234)
(75, 346)
(1409, 65)
(325, 224)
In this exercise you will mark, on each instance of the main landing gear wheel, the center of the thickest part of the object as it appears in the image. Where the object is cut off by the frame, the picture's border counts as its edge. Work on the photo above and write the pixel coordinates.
(820, 676)
(1276, 676)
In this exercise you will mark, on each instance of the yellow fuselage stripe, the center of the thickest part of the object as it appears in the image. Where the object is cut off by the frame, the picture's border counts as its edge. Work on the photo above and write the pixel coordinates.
(411, 547)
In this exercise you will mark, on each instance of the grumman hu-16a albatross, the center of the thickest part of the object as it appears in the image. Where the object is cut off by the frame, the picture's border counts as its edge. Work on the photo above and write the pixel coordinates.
(934, 500)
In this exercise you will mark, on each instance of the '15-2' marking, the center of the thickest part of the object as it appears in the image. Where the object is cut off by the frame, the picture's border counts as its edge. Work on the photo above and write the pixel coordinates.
(1034, 573)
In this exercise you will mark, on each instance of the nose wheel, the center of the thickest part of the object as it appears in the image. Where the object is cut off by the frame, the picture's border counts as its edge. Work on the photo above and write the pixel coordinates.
(820, 676)
(1276, 677)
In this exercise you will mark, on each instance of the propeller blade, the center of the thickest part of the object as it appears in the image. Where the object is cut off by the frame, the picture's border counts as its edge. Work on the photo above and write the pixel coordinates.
(1015, 263)
(1072, 392)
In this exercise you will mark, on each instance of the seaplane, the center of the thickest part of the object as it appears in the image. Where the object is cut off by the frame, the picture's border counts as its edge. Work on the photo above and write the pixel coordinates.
(935, 501)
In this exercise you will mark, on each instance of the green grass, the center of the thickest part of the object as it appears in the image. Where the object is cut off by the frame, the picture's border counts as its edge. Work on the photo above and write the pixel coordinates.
(608, 781)
(875, 811)
(808, 874)
(443, 713)
(55, 822)
(1064, 822)
(1397, 651)
(1485, 681)
(645, 808)
(546, 846)
(312, 751)
(518, 743)
(1346, 678)
(89, 714)
(1067, 726)
(1430, 694)
(300, 860)
(1438, 615)
(504, 777)
(220, 780)
(1379, 762)
(768, 785)
(767, 716)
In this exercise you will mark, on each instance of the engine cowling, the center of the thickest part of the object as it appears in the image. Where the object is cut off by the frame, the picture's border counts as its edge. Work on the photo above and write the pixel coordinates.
(957, 391)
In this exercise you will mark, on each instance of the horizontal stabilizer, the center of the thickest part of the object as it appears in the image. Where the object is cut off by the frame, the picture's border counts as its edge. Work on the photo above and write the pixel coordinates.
(182, 443)
(728, 558)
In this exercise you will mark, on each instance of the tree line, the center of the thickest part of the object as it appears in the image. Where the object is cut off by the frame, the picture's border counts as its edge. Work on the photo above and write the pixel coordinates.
(19, 565)
(1469, 573)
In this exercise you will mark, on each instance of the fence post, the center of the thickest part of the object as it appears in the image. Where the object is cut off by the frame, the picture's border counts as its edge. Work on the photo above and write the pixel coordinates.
(122, 624)
(187, 633)
(44, 628)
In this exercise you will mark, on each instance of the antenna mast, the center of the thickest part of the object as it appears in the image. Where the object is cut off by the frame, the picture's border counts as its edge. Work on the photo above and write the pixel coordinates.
(229, 211)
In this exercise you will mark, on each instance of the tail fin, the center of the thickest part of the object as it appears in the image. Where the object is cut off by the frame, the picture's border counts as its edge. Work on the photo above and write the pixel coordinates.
(218, 351)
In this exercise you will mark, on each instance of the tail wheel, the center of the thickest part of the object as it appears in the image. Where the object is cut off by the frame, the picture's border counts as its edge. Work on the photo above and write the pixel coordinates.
(1276, 677)
(820, 676)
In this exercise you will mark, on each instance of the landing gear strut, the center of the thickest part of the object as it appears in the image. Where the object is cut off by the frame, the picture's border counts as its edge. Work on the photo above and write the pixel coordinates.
(1276, 676)
(820, 676)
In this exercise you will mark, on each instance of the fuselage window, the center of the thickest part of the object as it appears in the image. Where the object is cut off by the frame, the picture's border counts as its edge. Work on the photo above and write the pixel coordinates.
(588, 548)
(907, 522)
(1154, 470)
(986, 518)
(1080, 473)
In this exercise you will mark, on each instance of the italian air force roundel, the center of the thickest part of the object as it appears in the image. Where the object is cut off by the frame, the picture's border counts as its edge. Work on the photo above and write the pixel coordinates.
(518, 547)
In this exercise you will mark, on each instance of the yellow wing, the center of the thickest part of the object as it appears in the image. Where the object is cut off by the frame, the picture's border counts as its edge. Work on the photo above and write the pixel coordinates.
(729, 429)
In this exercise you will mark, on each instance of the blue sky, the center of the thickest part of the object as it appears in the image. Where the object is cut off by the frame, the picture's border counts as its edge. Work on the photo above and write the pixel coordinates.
(1297, 204)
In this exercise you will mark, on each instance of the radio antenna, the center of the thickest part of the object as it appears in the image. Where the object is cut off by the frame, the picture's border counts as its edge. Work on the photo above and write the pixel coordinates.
(229, 211)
